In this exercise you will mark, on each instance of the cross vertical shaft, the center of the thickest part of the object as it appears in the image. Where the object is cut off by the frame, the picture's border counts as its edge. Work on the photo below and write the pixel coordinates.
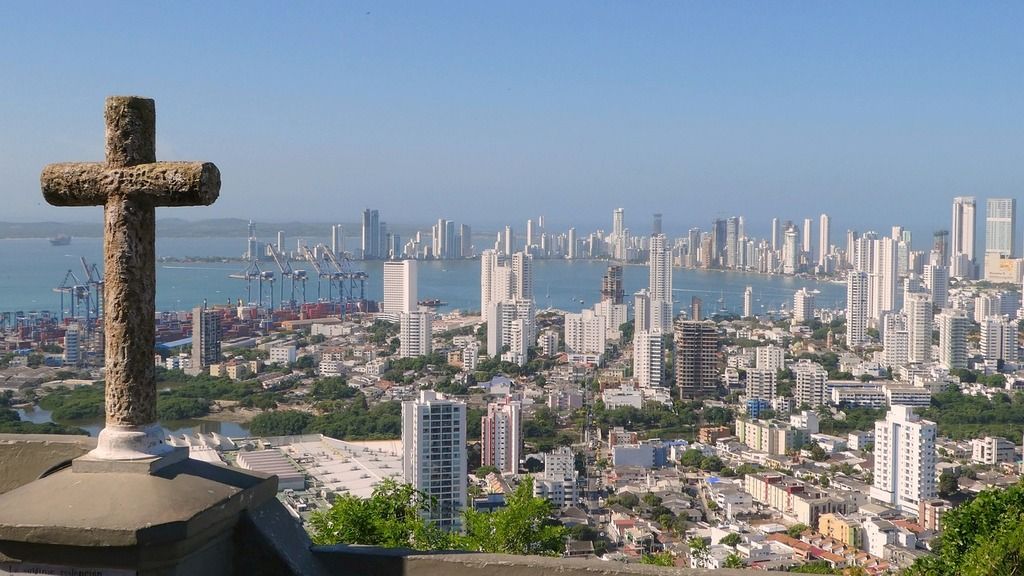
(130, 185)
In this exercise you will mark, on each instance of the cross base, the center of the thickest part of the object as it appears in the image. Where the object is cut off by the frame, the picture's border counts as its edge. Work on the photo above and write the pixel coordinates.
(139, 449)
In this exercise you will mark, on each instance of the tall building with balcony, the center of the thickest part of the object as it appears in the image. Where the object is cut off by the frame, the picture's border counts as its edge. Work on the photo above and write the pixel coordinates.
(501, 431)
(904, 473)
(856, 308)
(953, 328)
(434, 459)
(206, 337)
(415, 334)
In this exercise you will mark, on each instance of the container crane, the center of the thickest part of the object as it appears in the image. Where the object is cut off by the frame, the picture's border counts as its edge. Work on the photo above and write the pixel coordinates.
(347, 274)
(77, 292)
(95, 281)
(287, 272)
(254, 272)
(321, 274)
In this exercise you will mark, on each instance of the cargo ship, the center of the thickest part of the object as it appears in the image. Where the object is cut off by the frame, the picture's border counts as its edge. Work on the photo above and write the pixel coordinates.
(432, 303)
(60, 240)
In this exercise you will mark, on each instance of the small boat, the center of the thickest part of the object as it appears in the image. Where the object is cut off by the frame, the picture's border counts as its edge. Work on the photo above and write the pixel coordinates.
(432, 303)
(60, 240)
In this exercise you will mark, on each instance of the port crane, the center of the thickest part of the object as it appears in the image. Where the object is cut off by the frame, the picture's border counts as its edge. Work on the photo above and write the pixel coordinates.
(287, 272)
(347, 275)
(77, 292)
(254, 272)
(322, 273)
(95, 282)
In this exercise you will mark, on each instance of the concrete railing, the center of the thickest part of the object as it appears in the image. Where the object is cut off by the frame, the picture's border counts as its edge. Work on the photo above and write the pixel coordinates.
(373, 561)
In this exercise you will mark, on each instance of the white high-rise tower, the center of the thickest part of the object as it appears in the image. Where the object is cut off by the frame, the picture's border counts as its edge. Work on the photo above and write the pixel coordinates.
(660, 285)
(904, 459)
(856, 308)
(400, 288)
(434, 447)
(962, 255)
(824, 238)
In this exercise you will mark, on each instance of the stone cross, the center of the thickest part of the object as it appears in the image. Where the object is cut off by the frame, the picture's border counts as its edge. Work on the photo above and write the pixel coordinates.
(129, 186)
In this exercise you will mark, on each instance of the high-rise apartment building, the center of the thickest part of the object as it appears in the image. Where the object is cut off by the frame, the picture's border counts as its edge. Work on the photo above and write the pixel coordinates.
(206, 337)
(434, 461)
(790, 251)
(371, 244)
(501, 431)
(953, 327)
(824, 238)
(856, 308)
(999, 340)
(882, 293)
(748, 301)
(761, 384)
(807, 244)
(803, 305)
(963, 258)
(648, 359)
(936, 282)
(919, 327)
(400, 288)
(660, 287)
(1001, 227)
(585, 333)
(696, 359)
(904, 459)
(415, 333)
(811, 379)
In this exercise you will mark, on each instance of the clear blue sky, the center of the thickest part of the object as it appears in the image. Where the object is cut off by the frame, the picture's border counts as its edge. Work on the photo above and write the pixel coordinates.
(878, 113)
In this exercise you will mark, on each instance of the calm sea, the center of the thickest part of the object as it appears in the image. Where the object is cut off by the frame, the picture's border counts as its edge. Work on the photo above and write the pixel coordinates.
(31, 268)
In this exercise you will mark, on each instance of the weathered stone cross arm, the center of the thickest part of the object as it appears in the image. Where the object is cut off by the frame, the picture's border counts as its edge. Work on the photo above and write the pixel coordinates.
(130, 184)
(159, 183)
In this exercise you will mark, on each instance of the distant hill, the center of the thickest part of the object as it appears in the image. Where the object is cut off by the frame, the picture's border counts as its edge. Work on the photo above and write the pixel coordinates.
(176, 228)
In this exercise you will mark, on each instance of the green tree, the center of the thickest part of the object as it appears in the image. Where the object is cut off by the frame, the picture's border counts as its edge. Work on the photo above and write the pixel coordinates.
(523, 526)
(392, 517)
(796, 530)
(280, 423)
(948, 484)
(698, 551)
(485, 470)
(734, 561)
(982, 537)
(659, 559)
(731, 539)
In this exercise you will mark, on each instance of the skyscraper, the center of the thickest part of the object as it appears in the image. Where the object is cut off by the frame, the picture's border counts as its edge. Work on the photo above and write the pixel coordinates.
(808, 244)
(415, 333)
(803, 305)
(953, 327)
(611, 285)
(964, 237)
(856, 308)
(337, 239)
(501, 431)
(999, 340)
(434, 462)
(790, 251)
(400, 288)
(206, 336)
(748, 302)
(1001, 227)
(904, 473)
(824, 238)
(648, 359)
(522, 276)
(696, 360)
(370, 239)
(660, 285)
(919, 327)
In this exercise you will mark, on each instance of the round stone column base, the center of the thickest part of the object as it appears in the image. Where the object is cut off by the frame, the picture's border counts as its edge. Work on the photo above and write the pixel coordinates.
(131, 443)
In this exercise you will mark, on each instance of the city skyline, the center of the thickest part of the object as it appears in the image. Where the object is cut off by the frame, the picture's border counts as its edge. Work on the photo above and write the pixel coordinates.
(693, 112)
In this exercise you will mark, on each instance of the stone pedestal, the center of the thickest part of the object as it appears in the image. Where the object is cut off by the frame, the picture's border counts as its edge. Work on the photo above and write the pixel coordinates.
(179, 519)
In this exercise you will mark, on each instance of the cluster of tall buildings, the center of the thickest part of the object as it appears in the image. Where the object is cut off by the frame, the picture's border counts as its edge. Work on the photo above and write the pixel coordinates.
(506, 302)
